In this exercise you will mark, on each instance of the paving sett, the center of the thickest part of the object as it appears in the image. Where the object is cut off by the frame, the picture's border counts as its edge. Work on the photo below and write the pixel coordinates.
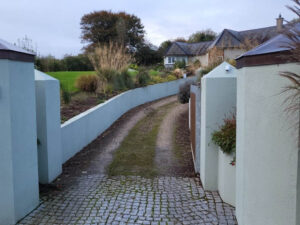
(84, 195)
(99, 199)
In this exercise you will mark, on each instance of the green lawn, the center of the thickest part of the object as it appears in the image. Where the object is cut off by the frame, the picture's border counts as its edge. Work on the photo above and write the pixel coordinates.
(68, 78)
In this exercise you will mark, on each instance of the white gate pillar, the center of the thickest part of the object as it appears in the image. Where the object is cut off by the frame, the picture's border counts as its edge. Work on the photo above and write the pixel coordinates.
(19, 192)
(48, 127)
(218, 100)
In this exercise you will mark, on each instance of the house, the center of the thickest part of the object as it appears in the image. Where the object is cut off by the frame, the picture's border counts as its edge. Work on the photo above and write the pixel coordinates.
(228, 45)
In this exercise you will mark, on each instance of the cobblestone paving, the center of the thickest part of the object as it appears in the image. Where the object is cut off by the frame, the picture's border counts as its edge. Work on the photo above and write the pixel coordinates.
(98, 199)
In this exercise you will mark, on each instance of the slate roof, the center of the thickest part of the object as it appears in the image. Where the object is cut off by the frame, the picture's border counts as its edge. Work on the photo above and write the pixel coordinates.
(227, 39)
(278, 43)
(188, 49)
(4, 45)
(232, 39)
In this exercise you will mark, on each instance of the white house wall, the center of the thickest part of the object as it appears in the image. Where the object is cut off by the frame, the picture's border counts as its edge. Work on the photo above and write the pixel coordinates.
(267, 148)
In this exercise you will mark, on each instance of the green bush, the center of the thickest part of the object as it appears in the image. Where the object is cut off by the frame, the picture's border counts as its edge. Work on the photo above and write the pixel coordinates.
(134, 66)
(184, 92)
(118, 83)
(225, 137)
(142, 78)
(87, 83)
(171, 77)
(180, 64)
(65, 94)
(157, 79)
(122, 81)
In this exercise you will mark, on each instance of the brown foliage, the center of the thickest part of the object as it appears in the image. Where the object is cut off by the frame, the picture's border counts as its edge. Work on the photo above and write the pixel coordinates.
(109, 59)
(249, 44)
(87, 83)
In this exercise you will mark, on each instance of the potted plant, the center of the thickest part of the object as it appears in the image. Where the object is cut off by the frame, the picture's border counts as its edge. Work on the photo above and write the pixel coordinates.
(225, 138)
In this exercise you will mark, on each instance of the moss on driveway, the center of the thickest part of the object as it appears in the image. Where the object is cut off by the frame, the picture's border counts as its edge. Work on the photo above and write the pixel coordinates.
(136, 154)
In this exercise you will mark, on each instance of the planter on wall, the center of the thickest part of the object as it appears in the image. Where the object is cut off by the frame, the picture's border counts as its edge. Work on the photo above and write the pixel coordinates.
(226, 177)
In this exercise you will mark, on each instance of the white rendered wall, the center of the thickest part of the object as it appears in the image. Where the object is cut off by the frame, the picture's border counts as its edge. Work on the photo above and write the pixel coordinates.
(19, 193)
(226, 178)
(48, 127)
(218, 100)
(197, 91)
(85, 127)
(267, 148)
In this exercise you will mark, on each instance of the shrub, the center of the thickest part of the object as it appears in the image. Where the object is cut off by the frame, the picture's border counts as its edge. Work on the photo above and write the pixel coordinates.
(171, 78)
(142, 78)
(87, 83)
(184, 92)
(190, 70)
(177, 73)
(118, 83)
(122, 81)
(159, 66)
(108, 58)
(127, 79)
(157, 79)
(65, 94)
(134, 66)
(225, 137)
(197, 63)
(180, 64)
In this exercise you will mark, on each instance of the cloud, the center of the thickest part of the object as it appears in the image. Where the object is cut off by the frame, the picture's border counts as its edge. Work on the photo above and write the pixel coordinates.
(54, 25)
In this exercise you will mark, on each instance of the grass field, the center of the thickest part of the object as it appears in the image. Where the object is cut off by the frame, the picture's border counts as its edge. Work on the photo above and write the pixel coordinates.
(68, 78)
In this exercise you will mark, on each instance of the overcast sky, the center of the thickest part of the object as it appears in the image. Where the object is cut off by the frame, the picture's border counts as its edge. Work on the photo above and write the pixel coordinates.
(54, 25)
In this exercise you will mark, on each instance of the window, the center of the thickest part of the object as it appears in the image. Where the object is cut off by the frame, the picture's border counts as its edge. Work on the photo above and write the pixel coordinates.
(171, 60)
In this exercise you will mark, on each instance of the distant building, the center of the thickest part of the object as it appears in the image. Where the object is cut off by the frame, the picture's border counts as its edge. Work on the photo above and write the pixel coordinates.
(228, 45)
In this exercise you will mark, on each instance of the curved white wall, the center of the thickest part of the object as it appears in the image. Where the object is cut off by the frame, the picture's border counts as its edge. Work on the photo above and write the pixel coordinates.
(85, 127)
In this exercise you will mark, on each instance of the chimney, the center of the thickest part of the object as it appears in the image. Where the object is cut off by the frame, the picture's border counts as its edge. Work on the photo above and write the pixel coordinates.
(279, 23)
